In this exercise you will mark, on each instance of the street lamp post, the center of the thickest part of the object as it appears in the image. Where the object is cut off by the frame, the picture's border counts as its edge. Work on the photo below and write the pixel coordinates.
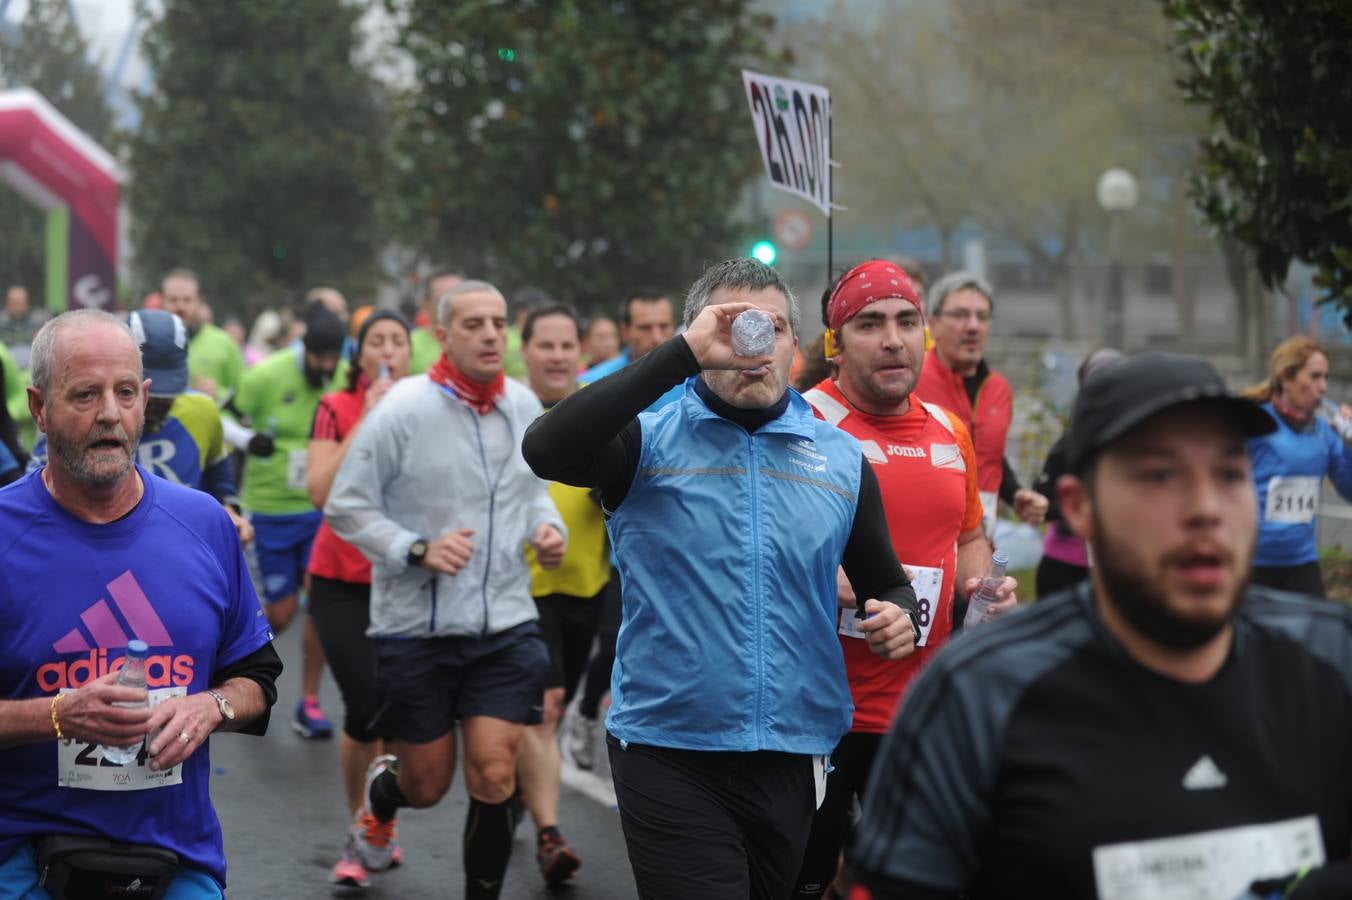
(1117, 194)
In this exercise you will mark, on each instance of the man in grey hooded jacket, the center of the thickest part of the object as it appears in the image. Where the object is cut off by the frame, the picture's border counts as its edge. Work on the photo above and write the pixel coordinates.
(434, 491)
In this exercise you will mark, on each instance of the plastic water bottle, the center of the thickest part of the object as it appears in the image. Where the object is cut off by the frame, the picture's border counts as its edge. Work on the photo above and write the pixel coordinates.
(1334, 414)
(985, 597)
(132, 674)
(753, 333)
(385, 373)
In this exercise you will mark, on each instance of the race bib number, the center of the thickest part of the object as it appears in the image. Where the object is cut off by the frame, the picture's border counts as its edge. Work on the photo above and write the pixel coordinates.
(990, 506)
(1292, 499)
(81, 765)
(927, 582)
(1209, 864)
(295, 469)
(819, 779)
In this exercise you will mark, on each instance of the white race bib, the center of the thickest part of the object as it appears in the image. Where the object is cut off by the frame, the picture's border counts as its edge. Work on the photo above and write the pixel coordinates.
(990, 507)
(1292, 499)
(296, 461)
(81, 765)
(1208, 865)
(927, 582)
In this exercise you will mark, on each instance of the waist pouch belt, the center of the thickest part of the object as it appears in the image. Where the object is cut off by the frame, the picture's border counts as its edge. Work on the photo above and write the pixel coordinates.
(94, 868)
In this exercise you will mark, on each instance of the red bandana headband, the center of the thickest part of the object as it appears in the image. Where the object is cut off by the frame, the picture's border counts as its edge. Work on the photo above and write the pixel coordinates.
(868, 283)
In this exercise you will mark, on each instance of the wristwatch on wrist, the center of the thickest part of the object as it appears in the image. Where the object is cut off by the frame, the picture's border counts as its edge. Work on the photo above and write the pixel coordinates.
(417, 552)
(227, 711)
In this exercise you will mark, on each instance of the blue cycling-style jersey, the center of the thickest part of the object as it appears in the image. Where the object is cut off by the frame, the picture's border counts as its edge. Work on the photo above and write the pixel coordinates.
(1289, 466)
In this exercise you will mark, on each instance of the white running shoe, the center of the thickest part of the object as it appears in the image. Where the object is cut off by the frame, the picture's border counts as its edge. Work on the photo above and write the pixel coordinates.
(582, 741)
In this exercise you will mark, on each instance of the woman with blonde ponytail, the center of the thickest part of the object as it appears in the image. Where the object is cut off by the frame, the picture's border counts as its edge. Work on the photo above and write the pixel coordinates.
(1290, 464)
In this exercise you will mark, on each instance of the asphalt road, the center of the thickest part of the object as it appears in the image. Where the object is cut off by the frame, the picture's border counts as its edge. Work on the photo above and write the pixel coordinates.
(282, 808)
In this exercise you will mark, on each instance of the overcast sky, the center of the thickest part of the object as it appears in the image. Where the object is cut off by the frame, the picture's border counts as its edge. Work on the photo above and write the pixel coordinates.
(104, 24)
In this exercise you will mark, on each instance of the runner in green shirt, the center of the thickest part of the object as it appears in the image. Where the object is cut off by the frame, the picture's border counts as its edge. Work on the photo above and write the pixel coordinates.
(16, 397)
(277, 399)
(215, 361)
(13, 454)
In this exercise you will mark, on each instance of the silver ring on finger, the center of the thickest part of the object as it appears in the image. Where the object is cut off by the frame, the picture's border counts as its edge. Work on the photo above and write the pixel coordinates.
(183, 736)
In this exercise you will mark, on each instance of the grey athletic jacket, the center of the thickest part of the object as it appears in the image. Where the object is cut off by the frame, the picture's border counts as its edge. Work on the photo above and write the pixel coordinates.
(424, 464)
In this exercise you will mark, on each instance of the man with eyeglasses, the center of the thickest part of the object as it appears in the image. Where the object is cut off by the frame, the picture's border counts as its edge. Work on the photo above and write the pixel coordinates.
(957, 377)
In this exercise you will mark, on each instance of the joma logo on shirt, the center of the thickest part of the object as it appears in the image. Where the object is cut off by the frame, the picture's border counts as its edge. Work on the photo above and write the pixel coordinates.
(878, 456)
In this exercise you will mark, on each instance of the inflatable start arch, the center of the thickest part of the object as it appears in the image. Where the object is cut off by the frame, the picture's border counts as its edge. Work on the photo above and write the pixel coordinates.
(62, 171)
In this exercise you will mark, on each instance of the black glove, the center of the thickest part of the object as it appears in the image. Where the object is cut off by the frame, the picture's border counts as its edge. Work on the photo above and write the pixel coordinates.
(262, 444)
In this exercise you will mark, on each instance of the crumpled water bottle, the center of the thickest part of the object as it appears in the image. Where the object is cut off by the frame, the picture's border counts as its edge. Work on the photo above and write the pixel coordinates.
(753, 333)
(1334, 414)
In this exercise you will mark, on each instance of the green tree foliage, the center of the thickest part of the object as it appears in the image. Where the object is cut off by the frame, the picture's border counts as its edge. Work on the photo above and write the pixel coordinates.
(259, 161)
(580, 145)
(1276, 174)
(51, 57)
(1003, 116)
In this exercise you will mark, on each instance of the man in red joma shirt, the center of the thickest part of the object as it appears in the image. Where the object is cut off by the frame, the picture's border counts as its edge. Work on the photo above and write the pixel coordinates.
(957, 378)
(927, 470)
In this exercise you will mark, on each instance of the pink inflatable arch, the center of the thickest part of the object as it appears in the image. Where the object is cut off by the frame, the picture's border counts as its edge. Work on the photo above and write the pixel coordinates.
(62, 171)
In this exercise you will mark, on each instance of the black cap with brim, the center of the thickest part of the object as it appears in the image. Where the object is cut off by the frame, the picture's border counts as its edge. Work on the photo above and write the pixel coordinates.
(324, 333)
(1121, 396)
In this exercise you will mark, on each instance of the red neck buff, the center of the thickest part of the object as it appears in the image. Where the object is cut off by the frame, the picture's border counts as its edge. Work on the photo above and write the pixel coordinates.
(476, 395)
(1289, 412)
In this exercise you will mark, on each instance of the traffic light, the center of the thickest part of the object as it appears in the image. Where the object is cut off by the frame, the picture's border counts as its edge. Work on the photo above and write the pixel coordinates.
(765, 251)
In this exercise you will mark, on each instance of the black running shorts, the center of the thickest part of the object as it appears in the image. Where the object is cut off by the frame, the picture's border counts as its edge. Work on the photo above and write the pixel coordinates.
(427, 684)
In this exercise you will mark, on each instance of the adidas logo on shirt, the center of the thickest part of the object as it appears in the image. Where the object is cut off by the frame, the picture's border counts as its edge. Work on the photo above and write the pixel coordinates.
(110, 626)
(1204, 775)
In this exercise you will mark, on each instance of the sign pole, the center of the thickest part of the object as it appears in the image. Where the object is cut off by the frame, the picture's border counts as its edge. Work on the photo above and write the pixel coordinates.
(831, 196)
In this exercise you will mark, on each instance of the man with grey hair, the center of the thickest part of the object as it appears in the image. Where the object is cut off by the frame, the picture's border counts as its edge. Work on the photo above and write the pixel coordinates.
(730, 511)
(92, 524)
(435, 493)
(956, 377)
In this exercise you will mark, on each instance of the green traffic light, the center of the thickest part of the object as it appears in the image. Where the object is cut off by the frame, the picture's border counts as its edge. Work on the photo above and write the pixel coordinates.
(765, 252)
(506, 54)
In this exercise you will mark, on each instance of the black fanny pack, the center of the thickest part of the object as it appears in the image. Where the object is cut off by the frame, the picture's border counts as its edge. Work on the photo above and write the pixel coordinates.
(91, 868)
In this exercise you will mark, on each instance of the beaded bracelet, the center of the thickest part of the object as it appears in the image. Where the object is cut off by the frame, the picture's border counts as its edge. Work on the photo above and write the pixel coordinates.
(56, 723)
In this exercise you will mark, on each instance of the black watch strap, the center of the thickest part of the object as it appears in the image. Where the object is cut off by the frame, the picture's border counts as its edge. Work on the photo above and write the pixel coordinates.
(417, 552)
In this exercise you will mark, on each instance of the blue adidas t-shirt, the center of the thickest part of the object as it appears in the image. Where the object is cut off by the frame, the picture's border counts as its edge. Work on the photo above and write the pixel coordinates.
(71, 595)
